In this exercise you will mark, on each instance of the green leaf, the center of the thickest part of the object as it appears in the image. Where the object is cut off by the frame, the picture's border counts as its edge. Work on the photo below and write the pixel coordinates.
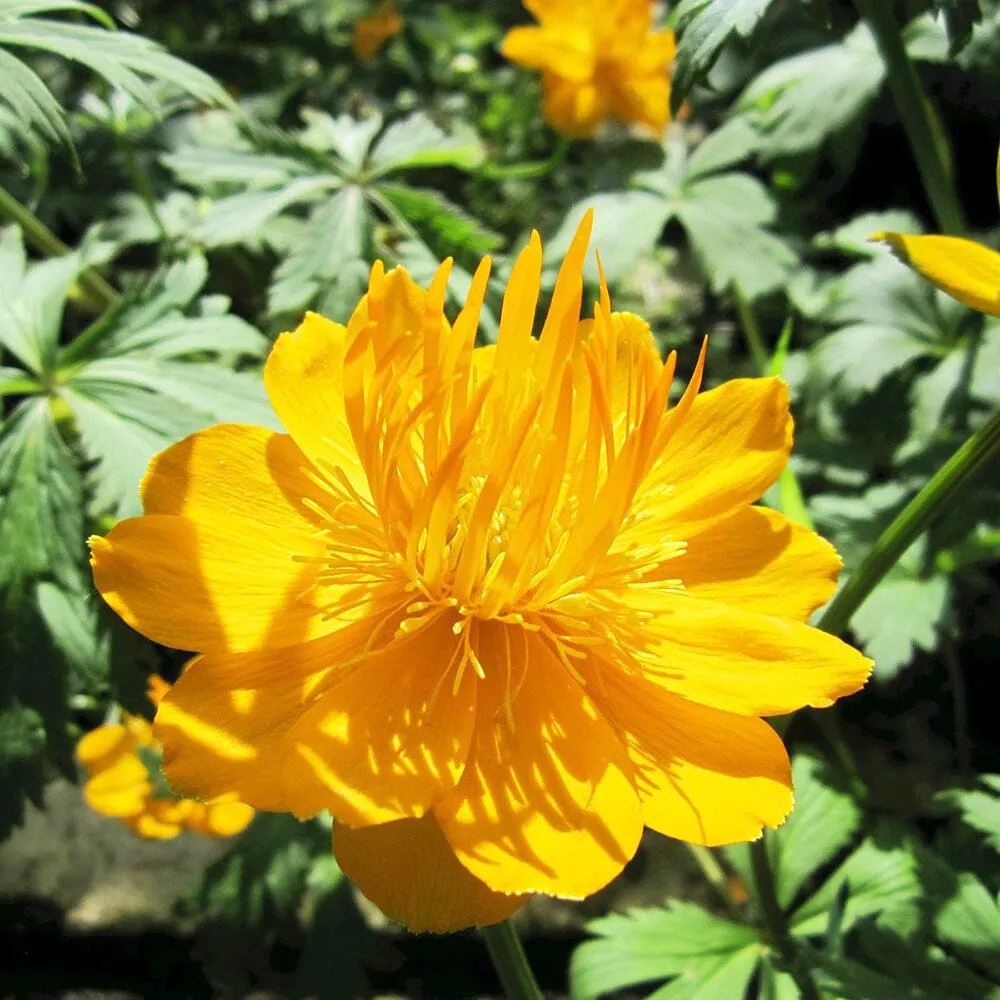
(22, 735)
(205, 166)
(796, 104)
(73, 621)
(979, 808)
(125, 60)
(703, 28)
(969, 922)
(823, 822)
(649, 945)
(417, 142)
(878, 881)
(41, 500)
(335, 237)
(960, 17)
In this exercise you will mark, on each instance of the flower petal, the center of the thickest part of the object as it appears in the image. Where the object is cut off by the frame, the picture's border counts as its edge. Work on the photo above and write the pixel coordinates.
(564, 52)
(101, 747)
(966, 270)
(304, 377)
(575, 109)
(410, 872)
(212, 586)
(222, 725)
(759, 561)
(387, 739)
(750, 664)
(704, 776)
(119, 790)
(546, 803)
(220, 819)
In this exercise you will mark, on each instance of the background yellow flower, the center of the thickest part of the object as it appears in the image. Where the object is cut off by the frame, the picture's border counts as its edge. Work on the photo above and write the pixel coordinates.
(496, 609)
(371, 33)
(597, 59)
(122, 761)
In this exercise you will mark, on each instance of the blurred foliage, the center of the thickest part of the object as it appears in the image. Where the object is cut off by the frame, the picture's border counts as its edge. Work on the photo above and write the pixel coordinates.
(178, 182)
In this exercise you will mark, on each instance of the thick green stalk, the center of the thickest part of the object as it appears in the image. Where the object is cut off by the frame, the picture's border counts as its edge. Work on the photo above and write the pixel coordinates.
(97, 291)
(911, 522)
(923, 128)
(510, 961)
(777, 927)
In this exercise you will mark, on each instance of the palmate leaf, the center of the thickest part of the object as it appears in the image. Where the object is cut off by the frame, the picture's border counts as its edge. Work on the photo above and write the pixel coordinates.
(980, 807)
(123, 59)
(725, 216)
(709, 955)
(144, 383)
(969, 923)
(703, 28)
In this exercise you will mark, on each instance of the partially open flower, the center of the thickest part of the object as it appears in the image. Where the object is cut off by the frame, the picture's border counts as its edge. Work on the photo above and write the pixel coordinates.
(125, 782)
(495, 608)
(598, 59)
(966, 270)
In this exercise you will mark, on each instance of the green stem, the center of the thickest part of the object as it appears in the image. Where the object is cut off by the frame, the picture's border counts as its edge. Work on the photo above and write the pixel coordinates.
(99, 294)
(141, 182)
(714, 874)
(923, 128)
(911, 522)
(774, 918)
(510, 961)
(751, 332)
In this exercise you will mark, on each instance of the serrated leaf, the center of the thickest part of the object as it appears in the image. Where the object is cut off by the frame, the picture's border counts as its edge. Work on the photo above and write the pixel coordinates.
(878, 881)
(853, 237)
(980, 808)
(41, 522)
(648, 945)
(703, 28)
(824, 820)
(796, 104)
(417, 142)
(73, 621)
(970, 923)
(22, 735)
(204, 166)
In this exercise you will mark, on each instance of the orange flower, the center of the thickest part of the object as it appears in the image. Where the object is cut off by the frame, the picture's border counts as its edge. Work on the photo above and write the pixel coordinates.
(494, 608)
(598, 58)
(122, 761)
(371, 33)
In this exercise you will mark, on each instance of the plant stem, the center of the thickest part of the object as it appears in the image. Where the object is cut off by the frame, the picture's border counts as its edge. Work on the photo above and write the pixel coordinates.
(714, 874)
(751, 332)
(763, 878)
(510, 961)
(96, 290)
(911, 522)
(923, 128)
(141, 182)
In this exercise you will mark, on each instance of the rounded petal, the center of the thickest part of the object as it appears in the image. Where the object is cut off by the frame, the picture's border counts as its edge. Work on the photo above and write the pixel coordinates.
(387, 739)
(222, 725)
(759, 561)
(409, 871)
(727, 451)
(304, 377)
(211, 586)
(564, 52)
(120, 790)
(163, 818)
(221, 819)
(575, 109)
(643, 99)
(546, 803)
(704, 776)
(102, 746)
(749, 664)
(966, 270)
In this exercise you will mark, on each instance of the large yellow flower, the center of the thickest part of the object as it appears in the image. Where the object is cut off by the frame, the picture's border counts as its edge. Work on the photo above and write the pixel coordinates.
(495, 608)
(122, 761)
(966, 270)
(598, 58)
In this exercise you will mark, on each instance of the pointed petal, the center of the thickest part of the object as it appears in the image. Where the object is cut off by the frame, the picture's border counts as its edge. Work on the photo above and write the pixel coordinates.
(304, 380)
(222, 725)
(758, 561)
(966, 270)
(546, 803)
(388, 739)
(727, 451)
(704, 776)
(410, 872)
(738, 661)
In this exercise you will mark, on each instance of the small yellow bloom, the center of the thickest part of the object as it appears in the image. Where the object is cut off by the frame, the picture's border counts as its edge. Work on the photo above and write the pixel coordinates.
(598, 58)
(495, 608)
(966, 270)
(122, 762)
(371, 33)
